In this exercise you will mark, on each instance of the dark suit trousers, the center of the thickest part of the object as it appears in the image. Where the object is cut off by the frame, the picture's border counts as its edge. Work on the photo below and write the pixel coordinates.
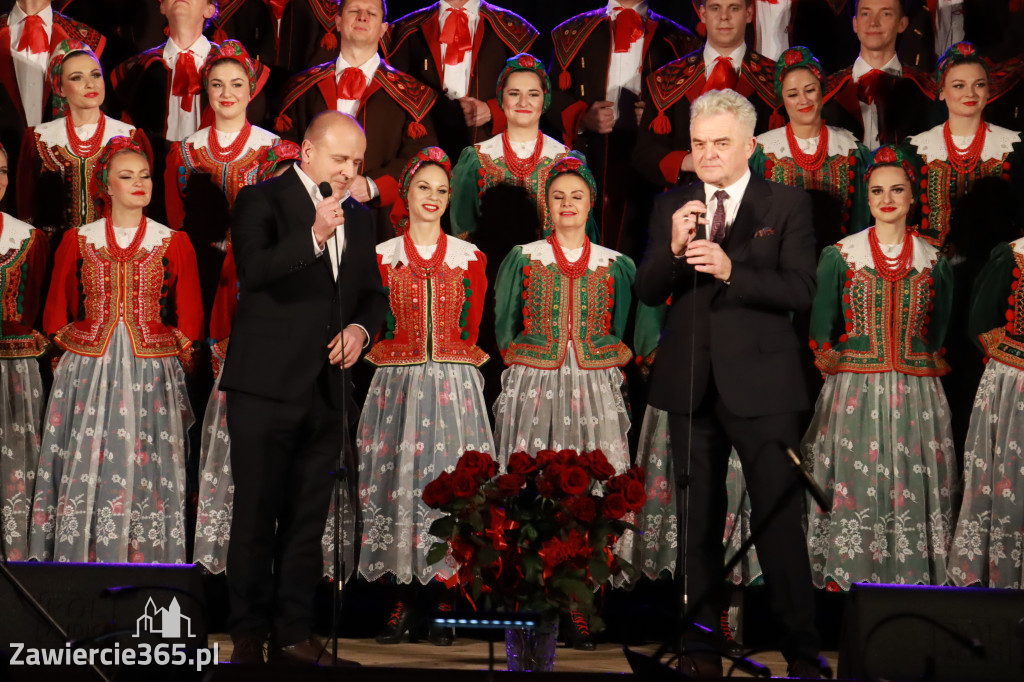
(282, 454)
(782, 548)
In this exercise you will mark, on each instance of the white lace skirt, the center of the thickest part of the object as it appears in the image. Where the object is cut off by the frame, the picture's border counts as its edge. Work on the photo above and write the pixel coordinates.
(565, 408)
(21, 415)
(416, 423)
(110, 485)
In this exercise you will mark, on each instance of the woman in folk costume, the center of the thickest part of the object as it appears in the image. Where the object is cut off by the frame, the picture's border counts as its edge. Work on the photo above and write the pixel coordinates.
(58, 158)
(968, 169)
(24, 254)
(425, 406)
(124, 304)
(204, 174)
(988, 546)
(561, 309)
(826, 161)
(880, 442)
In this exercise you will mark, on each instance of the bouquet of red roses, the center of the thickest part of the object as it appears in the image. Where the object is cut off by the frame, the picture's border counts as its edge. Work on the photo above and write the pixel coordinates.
(538, 537)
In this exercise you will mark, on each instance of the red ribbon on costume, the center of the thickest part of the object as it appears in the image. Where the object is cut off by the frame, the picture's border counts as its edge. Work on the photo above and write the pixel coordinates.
(186, 80)
(867, 86)
(455, 36)
(33, 38)
(723, 76)
(277, 8)
(629, 28)
(352, 84)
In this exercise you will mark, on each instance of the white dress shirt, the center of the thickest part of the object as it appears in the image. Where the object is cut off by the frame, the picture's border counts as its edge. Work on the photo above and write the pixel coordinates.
(335, 244)
(29, 68)
(732, 204)
(869, 112)
(773, 27)
(624, 68)
(456, 77)
(711, 54)
(181, 123)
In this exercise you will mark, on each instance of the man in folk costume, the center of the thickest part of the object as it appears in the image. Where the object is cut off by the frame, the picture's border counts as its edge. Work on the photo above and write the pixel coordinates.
(251, 23)
(662, 152)
(458, 48)
(601, 61)
(130, 26)
(28, 33)
(392, 106)
(304, 32)
(880, 99)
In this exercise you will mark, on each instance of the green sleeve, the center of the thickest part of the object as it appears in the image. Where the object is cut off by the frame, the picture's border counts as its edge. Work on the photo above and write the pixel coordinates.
(990, 291)
(860, 214)
(508, 298)
(623, 273)
(647, 328)
(757, 161)
(942, 304)
(465, 202)
(827, 308)
(592, 233)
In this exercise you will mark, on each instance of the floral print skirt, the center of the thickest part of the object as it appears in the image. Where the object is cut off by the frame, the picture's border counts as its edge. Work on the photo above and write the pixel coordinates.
(21, 418)
(110, 485)
(881, 446)
(988, 546)
(568, 408)
(217, 496)
(417, 421)
(655, 551)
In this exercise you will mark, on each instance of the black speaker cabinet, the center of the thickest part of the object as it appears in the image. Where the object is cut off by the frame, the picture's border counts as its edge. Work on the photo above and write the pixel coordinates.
(933, 633)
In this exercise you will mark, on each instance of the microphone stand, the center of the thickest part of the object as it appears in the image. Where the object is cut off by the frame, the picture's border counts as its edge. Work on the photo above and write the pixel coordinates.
(340, 473)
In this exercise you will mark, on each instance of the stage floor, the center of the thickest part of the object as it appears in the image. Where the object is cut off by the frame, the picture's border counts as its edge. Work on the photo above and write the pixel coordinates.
(471, 654)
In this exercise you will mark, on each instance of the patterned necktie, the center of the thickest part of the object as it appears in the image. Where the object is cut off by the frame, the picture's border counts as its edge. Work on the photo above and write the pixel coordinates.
(723, 76)
(33, 37)
(629, 28)
(352, 84)
(186, 80)
(718, 221)
(455, 36)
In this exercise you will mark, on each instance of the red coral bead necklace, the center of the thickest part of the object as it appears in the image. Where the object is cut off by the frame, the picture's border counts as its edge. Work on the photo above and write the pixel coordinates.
(117, 252)
(521, 167)
(964, 160)
(809, 162)
(231, 151)
(575, 269)
(895, 268)
(425, 267)
(88, 148)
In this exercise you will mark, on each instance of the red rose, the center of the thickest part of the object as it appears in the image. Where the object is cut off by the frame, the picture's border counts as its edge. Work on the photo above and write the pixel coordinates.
(637, 474)
(583, 509)
(565, 457)
(478, 465)
(617, 484)
(545, 457)
(599, 466)
(521, 463)
(438, 492)
(463, 485)
(615, 506)
(793, 57)
(527, 61)
(635, 495)
(574, 480)
(545, 487)
(510, 484)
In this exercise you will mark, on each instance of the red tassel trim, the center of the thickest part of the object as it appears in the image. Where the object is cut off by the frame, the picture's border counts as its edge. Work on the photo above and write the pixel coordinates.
(776, 120)
(282, 123)
(661, 125)
(564, 80)
(329, 42)
(416, 130)
(219, 36)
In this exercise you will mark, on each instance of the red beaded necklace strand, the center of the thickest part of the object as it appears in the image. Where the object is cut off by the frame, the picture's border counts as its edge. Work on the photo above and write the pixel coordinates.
(573, 270)
(115, 251)
(521, 167)
(230, 152)
(809, 162)
(896, 268)
(425, 267)
(85, 149)
(964, 160)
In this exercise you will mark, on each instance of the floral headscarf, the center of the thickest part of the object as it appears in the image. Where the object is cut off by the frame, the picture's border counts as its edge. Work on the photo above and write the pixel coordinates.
(101, 173)
(65, 49)
(573, 163)
(234, 51)
(434, 155)
(525, 62)
(796, 58)
(891, 155)
(960, 53)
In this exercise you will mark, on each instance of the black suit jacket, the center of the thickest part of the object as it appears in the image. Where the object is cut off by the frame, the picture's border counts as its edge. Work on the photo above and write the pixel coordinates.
(288, 308)
(743, 333)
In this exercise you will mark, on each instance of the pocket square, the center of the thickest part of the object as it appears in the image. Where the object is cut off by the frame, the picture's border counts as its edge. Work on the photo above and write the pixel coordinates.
(764, 232)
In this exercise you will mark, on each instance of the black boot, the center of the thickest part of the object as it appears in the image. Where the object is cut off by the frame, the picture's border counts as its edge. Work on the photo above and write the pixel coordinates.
(578, 636)
(399, 622)
(442, 635)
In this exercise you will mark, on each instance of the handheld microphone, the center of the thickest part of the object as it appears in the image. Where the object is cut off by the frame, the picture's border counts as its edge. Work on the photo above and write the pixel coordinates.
(326, 189)
(701, 228)
(812, 486)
